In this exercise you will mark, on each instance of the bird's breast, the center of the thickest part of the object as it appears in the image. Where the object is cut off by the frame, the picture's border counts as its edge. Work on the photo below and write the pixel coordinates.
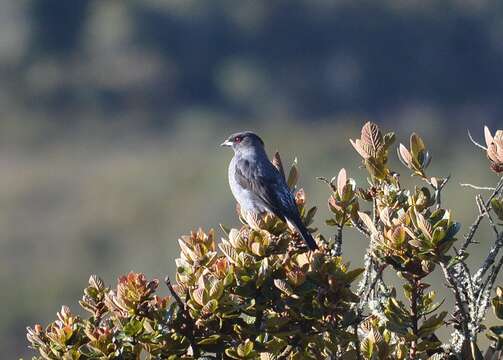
(246, 198)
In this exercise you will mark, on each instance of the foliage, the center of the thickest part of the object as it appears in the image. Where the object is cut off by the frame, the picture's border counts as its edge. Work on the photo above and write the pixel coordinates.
(262, 294)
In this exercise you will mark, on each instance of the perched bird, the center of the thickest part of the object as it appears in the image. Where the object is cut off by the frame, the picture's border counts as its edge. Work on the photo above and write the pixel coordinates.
(258, 186)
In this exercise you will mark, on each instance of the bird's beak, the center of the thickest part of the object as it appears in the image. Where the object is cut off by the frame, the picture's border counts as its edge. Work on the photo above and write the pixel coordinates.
(226, 143)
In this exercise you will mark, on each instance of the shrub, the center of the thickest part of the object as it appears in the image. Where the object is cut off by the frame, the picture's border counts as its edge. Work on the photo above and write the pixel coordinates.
(263, 295)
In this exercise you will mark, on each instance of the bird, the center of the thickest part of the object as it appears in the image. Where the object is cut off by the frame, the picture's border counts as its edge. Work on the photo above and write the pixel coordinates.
(258, 186)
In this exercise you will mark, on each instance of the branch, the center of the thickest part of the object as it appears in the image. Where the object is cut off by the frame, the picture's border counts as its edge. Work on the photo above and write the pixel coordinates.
(474, 227)
(494, 274)
(368, 260)
(488, 262)
(452, 283)
(378, 277)
(485, 294)
(357, 343)
(338, 240)
(415, 296)
(189, 331)
(493, 252)
(358, 225)
(490, 219)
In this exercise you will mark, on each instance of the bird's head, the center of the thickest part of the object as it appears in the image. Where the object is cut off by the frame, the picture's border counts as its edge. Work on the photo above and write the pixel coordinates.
(243, 141)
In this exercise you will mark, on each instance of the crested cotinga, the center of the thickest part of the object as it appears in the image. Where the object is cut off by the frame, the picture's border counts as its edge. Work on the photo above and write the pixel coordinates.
(258, 186)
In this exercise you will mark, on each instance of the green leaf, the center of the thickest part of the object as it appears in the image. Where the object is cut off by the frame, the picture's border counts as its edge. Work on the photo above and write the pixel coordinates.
(438, 235)
(133, 327)
(331, 222)
(429, 326)
(367, 348)
(293, 177)
(211, 339)
(351, 275)
(416, 145)
(245, 349)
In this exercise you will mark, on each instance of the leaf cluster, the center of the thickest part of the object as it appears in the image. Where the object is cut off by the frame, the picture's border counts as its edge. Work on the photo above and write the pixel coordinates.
(259, 293)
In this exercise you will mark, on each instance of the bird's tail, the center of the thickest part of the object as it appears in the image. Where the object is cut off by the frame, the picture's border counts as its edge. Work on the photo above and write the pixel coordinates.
(306, 235)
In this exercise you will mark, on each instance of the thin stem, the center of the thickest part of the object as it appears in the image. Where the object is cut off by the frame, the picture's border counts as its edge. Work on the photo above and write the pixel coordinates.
(438, 190)
(478, 187)
(338, 240)
(375, 281)
(490, 219)
(189, 330)
(474, 227)
(414, 283)
(476, 143)
(357, 342)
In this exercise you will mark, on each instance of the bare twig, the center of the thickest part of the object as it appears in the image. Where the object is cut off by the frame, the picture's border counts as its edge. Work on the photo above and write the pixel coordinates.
(438, 187)
(189, 331)
(476, 143)
(490, 219)
(448, 273)
(177, 298)
(328, 182)
(474, 227)
(478, 187)
(472, 230)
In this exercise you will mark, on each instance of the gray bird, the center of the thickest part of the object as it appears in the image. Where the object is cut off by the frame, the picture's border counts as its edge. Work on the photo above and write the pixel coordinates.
(258, 186)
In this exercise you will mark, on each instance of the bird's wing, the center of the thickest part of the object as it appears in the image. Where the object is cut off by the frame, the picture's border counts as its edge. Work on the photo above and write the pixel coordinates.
(265, 181)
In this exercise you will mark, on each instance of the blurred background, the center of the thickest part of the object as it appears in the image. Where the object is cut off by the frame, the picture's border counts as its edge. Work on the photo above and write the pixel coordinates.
(111, 113)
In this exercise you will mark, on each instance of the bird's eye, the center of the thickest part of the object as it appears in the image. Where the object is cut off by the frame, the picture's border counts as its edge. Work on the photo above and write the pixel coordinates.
(238, 139)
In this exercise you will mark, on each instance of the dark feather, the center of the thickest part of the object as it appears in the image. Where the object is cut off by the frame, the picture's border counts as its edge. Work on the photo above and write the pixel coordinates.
(267, 183)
